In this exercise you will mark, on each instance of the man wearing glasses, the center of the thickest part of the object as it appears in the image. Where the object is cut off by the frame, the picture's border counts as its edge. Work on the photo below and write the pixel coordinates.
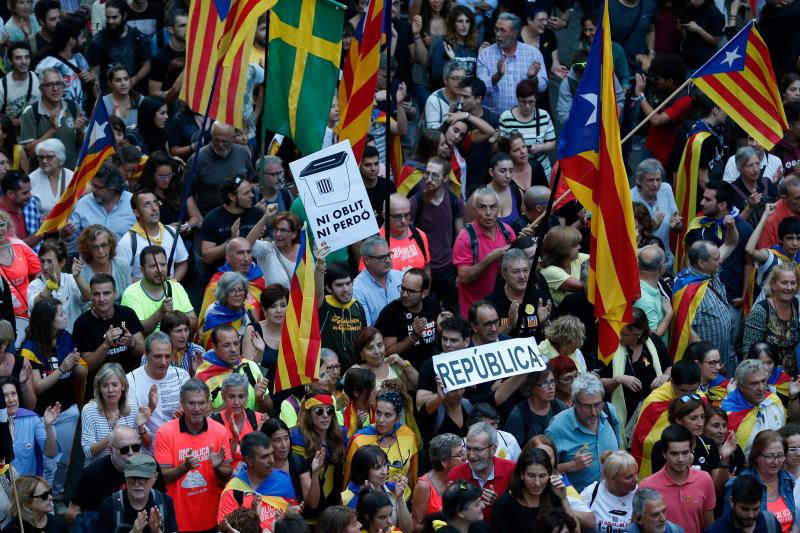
(445, 100)
(408, 244)
(378, 284)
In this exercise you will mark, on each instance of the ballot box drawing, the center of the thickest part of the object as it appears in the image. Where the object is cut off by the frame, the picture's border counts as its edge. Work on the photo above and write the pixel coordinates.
(327, 179)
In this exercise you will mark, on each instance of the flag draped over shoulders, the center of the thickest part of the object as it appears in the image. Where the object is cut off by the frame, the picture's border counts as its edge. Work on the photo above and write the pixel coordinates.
(742, 415)
(687, 294)
(686, 190)
(590, 158)
(651, 422)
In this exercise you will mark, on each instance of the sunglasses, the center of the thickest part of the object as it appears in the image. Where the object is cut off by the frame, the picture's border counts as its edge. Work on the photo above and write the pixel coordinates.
(43, 496)
(132, 448)
(319, 411)
(689, 397)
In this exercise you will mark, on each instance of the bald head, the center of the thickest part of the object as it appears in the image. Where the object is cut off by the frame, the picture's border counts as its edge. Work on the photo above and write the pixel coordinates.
(239, 253)
(651, 259)
(535, 196)
(399, 214)
(123, 433)
(222, 136)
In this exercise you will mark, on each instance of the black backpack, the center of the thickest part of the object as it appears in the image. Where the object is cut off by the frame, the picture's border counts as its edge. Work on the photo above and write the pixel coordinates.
(119, 510)
(419, 203)
(249, 413)
(473, 238)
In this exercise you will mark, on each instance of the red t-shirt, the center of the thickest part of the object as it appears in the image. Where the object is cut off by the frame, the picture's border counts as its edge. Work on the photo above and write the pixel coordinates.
(661, 139)
(196, 493)
(405, 252)
(769, 236)
(18, 274)
(503, 470)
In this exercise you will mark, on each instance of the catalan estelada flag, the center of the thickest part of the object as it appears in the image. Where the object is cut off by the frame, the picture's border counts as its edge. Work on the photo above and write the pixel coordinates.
(740, 80)
(239, 16)
(687, 293)
(359, 76)
(98, 145)
(686, 191)
(742, 415)
(590, 157)
(305, 47)
(716, 390)
(298, 353)
(204, 28)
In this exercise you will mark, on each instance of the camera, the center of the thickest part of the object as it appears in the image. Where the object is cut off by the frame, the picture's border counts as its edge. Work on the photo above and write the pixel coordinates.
(647, 78)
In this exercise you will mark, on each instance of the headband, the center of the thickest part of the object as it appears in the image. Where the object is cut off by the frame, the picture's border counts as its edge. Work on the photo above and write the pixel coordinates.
(394, 398)
(317, 400)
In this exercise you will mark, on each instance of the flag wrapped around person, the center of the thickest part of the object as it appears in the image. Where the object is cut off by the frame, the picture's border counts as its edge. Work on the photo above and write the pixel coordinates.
(590, 158)
(742, 415)
(305, 43)
(276, 494)
(359, 77)
(687, 294)
(780, 380)
(686, 190)
(298, 353)
(740, 80)
(98, 145)
(716, 390)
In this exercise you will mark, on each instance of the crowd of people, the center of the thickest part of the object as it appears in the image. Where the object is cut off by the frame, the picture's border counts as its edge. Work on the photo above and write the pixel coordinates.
(140, 343)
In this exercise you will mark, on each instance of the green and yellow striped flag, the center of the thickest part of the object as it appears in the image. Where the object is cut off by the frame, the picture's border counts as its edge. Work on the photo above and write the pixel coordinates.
(305, 46)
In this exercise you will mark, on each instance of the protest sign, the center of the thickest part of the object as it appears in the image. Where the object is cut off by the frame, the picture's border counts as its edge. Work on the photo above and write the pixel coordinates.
(334, 196)
(488, 362)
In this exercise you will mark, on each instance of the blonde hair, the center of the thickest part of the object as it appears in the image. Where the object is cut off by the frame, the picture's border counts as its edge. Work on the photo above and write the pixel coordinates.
(107, 371)
(558, 243)
(565, 331)
(615, 463)
(776, 271)
(25, 487)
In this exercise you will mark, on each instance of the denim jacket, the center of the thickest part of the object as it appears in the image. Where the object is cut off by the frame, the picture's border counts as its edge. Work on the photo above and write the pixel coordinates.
(785, 483)
(670, 528)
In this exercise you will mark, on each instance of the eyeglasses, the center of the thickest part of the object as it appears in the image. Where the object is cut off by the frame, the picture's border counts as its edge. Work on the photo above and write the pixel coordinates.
(793, 451)
(385, 257)
(237, 290)
(331, 368)
(546, 383)
(53, 85)
(773, 456)
(408, 290)
(319, 411)
(470, 449)
(102, 245)
(277, 173)
(281, 230)
(45, 157)
(716, 363)
(456, 78)
(43, 496)
(3, 225)
(400, 216)
(491, 324)
(520, 271)
(164, 176)
(689, 397)
(566, 379)
(590, 406)
(125, 450)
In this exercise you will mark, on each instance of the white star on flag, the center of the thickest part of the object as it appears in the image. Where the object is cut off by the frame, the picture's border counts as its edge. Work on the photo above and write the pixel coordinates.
(98, 132)
(731, 56)
(592, 99)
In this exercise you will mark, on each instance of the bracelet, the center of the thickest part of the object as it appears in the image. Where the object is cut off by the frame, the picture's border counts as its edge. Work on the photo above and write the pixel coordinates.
(142, 430)
(406, 364)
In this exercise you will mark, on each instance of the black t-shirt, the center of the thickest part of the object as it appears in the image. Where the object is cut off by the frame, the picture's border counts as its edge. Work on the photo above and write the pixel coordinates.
(216, 228)
(132, 50)
(108, 522)
(426, 422)
(100, 480)
(530, 321)
(55, 524)
(396, 321)
(148, 22)
(478, 156)
(89, 331)
(695, 50)
(377, 196)
(643, 369)
(405, 38)
(706, 455)
(160, 63)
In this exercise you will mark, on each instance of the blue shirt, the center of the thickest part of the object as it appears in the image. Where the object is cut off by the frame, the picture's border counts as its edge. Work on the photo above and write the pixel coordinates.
(504, 95)
(572, 437)
(118, 221)
(29, 438)
(664, 203)
(374, 297)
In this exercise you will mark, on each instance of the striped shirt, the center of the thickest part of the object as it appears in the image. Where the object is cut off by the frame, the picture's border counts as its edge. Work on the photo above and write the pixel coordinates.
(539, 129)
(504, 95)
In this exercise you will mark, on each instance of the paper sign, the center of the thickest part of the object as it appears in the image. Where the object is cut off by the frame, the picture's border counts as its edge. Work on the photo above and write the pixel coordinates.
(334, 196)
(488, 362)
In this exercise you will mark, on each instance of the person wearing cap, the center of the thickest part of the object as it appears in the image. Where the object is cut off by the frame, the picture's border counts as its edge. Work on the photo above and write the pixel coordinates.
(139, 507)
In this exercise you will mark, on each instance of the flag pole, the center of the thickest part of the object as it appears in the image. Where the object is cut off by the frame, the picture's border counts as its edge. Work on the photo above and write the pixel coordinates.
(187, 190)
(655, 111)
(540, 231)
(388, 126)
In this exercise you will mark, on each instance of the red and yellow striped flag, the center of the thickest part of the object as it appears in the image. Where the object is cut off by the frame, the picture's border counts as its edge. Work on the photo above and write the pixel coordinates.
(204, 28)
(740, 80)
(686, 192)
(298, 353)
(590, 158)
(359, 76)
(98, 145)
(240, 17)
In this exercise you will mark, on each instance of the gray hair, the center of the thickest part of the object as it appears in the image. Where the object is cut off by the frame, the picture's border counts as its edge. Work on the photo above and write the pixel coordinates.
(748, 367)
(511, 255)
(515, 20)
(484, 191)
(649, 166)
(194, 385)
(439, 448)
(45, 71)
(587, 383)
(267, 160)
(699, 251)
(651, 258)
(235, 380)
(789, 182)
(743, 155)
(52, 145)
(450, 66)
(483, 427)
(370, 243)
(327, 353)
(227, 282)
(642, 496)
(534, 195)
(156, 337)
(113, 438)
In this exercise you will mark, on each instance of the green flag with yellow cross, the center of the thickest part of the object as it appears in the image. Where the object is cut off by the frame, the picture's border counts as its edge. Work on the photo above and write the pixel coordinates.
(305, 47)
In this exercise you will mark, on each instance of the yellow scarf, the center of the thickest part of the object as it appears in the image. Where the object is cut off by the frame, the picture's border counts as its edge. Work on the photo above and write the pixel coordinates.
(156, 241)
(618, 369)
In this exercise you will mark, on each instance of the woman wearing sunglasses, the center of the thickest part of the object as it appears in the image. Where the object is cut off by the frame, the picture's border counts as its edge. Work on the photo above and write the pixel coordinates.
(398, 440)
(320, 440)
(369, 470)
(689, 411)
(35, 508)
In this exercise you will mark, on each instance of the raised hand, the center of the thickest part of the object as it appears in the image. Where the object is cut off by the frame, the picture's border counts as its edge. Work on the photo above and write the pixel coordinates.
(51, 414)
(152, 397)
(143, 416)
(318, 461)
(155, 520)
(141, 522)
(216, 458)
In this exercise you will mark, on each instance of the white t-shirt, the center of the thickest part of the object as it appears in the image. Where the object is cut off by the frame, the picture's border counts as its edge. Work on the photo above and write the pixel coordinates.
(67, 293)
(40, 188)
(17, 98)
(612, 514)
(276, 267)
(169, 394)
(124, 251)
